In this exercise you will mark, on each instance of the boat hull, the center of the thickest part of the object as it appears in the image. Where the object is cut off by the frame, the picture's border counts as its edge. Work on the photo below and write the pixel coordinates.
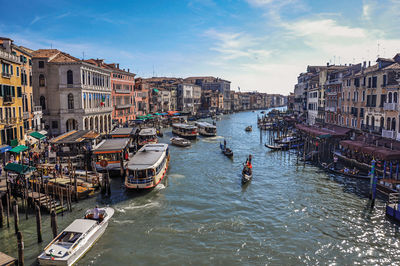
(73, 258)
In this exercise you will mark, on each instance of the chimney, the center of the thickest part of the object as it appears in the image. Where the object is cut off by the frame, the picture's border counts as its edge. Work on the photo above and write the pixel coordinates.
(118, 66)
(128, 70)
(327, 63)
(7, 45)
(369, 63)
(364, 64)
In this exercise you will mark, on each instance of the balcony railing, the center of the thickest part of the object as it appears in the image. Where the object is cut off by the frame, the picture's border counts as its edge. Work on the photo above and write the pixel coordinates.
(123, 106)
(37, 108)
(123, 91)
(10, 57)
(6, 75)
(330, 109)
(8, 99)
(389, 134)
(26, 115)
(390, 106)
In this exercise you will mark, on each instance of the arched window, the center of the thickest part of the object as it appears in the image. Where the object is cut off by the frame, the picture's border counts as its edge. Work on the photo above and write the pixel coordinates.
(70, 78)
(382, 122)
(42, 81)
(70, 101)
(395, 97)
(390, 97)
(388, 123)
(43, 102)
(393, 124)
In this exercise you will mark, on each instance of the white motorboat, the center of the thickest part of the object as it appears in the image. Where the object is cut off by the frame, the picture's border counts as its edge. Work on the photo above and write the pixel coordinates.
(181, 142)
(75, 240)
(206, 129)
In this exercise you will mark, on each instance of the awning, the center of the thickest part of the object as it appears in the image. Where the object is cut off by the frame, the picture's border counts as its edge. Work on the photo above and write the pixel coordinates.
(37, 135)
(5, 148)
(155, 90)
(387, 154)
(19, 149)
(19, 168)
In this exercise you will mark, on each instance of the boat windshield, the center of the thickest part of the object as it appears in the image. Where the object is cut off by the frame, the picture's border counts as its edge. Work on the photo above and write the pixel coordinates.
(68, 237)
(109, 156)
(211, 129)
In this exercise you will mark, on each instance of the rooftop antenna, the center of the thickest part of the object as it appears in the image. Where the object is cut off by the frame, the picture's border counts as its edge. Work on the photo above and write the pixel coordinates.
(378, 50)
(83, 55)
(51, 46)
(334, 59)
(153, 70)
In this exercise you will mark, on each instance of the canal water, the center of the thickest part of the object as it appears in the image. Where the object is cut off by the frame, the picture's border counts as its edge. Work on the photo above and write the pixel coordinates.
(288, 214)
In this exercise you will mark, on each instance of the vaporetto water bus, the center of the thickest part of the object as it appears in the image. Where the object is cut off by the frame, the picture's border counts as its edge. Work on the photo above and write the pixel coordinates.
(147, 136)
(185, 130)
(75, 240)
(148, 167)
(206, 129)
(114, 151)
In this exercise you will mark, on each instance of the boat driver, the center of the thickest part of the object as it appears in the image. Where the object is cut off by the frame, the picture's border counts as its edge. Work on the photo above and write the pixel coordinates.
(96, 213)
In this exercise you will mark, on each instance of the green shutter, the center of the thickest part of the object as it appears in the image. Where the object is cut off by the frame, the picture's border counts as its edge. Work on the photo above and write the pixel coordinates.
(13, 91)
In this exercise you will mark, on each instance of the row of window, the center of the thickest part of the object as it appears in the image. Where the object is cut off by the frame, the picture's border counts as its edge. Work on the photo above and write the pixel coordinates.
(95, 100)
(91, 78)
(123, 77)
(7, 90)
(9, 134)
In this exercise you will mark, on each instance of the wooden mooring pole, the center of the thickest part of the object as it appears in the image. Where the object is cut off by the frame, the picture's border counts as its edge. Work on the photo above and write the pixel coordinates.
(20, 241)
(54, 223)
(38, 223)
(16, 218)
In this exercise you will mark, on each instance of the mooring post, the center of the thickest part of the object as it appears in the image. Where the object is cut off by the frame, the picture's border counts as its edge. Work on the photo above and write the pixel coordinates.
(8, 210)
(16, 218)
(1, 214)
(20, 241)
(54, 223)
(38, 223)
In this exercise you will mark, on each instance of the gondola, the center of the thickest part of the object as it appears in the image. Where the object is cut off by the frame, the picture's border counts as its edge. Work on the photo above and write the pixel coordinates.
(349, 174)
(247, 172)
(278, 147)
(226, 151)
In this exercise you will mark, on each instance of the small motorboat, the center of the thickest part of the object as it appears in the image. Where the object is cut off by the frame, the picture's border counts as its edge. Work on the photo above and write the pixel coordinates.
(247, 172)
(75, 240)
(181, 142)
(225, 150)
(160, 133)
(277, 147)
(248, 128)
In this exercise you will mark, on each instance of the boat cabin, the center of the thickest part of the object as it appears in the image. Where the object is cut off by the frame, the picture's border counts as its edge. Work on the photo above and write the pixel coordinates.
(206, 129)
(126, 132)
(114, 151)
(147, 136)
(185, 130)
(148, 166)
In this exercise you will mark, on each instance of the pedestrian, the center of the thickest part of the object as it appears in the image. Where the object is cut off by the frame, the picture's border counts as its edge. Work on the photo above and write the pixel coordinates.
(335, 160)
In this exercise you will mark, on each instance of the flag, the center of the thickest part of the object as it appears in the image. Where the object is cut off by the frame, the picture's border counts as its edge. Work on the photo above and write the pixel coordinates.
(103, 99)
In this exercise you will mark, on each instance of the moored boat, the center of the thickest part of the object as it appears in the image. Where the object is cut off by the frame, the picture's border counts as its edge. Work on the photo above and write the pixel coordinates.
(181, 142)
(277, 147)
(75, 240)
(345, 171)
(206, 129)
(148, 167)
(185, 130)
(147, 136)
(114, 152)
(248, 128)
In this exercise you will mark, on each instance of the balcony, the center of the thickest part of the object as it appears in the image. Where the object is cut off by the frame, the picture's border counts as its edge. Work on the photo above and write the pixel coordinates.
(6, 75)
(37, 108)
(390, 106)
(389, 134)
(330, 109)
(123, 106)
(8, 99)
(9, 57)
(123, 91)
(100, 110)
(8, 121)
(26, 115)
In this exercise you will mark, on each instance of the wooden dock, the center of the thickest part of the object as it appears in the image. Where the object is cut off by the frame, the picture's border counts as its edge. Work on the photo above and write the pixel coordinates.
(6, 260)
(46, 202)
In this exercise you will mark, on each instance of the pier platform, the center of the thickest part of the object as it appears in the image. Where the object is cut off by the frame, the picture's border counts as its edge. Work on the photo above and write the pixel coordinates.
(6, 260)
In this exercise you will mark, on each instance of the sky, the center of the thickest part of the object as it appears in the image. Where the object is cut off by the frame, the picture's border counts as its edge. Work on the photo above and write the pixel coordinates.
(258, 45)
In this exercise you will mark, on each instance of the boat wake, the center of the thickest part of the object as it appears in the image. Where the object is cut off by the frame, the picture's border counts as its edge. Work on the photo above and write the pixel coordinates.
(176, 176)
(212, 139)
(160, 187)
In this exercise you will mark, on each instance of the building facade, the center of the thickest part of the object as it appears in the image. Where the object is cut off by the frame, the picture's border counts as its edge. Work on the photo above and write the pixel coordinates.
(73, 94)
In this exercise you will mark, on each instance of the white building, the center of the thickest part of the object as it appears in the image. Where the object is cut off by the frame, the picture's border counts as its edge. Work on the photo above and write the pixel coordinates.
(73, 94)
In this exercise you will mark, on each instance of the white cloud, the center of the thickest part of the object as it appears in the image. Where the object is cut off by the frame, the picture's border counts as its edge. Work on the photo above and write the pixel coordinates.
(36, 19)
(366, 11)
